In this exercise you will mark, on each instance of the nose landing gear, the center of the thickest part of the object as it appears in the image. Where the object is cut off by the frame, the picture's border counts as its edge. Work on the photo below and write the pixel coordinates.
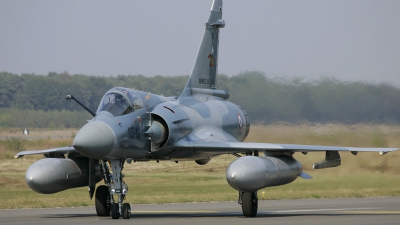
(105, 203)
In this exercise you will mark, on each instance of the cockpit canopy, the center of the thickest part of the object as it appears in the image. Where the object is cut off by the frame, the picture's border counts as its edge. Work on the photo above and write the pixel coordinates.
(120, 101)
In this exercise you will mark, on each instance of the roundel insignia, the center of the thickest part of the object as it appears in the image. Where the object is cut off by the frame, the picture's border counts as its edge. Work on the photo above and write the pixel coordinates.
(240, 121)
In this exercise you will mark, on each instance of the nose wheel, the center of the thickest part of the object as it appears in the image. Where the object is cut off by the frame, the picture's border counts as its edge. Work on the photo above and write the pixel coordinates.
(115, 186)
(115, 211)
(126, 211)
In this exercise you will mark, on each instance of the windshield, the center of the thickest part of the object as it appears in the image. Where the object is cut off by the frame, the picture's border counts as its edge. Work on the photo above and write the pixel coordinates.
(119, 101)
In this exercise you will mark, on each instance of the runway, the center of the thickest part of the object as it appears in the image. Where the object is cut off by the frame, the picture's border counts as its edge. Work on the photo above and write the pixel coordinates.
(378, 210)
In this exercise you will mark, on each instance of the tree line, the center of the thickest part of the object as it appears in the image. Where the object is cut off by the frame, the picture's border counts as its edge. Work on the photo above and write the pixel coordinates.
(30, 100)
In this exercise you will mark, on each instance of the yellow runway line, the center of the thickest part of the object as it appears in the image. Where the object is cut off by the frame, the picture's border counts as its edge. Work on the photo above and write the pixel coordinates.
(371, 212)
(173, 211)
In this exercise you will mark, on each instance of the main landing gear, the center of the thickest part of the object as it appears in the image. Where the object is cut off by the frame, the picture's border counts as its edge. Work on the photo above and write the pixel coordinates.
(105, 203)
(249, 202)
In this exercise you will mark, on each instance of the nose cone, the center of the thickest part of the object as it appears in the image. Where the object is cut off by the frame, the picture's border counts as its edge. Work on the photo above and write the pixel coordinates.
(94, 140)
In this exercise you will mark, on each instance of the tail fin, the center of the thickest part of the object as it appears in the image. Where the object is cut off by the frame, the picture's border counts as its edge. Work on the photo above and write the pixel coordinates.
(204, 71)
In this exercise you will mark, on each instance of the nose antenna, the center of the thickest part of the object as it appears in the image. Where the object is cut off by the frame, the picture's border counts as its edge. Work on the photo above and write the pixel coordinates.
(69, 97)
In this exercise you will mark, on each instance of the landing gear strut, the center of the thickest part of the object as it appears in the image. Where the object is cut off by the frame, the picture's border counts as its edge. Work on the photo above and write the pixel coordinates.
(249, 202)
(105, 202)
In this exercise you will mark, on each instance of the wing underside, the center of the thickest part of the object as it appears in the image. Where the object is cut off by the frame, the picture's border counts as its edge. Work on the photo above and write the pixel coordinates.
(332, 156)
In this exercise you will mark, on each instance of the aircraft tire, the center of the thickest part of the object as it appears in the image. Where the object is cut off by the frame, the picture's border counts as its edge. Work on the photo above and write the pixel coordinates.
(115, 211)
(249, 204)
(102, 201)
(126, 211)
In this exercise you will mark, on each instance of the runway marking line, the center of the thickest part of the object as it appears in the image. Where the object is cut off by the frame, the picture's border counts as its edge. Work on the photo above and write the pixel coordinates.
(321, 210)
(174, 211)
(373, 212)
(344, 210)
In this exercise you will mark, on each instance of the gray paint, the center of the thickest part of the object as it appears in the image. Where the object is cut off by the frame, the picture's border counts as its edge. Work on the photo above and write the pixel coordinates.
(251, 173)
(196, 126)
(51, 175)
(205, 68)
(94, 140)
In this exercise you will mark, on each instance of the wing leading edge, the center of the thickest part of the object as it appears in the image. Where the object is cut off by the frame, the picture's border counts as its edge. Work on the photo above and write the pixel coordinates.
(52, 151)
(239, 147)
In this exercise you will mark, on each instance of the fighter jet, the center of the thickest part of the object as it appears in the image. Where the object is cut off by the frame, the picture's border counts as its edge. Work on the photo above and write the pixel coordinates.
(131, 125)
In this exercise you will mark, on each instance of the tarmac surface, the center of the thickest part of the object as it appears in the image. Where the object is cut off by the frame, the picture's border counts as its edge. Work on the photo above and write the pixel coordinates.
(377, 210)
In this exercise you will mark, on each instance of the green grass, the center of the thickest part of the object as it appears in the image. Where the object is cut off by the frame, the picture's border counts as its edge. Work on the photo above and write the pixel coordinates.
(364, 175)
(351, 185)
(149, 188)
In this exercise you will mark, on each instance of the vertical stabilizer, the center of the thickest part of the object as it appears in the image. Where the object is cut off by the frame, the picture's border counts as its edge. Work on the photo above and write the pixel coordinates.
(205, 68)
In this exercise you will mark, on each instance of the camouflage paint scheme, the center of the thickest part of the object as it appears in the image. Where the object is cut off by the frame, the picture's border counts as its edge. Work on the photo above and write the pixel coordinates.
(198, 125)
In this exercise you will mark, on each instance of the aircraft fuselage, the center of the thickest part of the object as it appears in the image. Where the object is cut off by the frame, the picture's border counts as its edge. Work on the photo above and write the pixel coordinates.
(200, 118)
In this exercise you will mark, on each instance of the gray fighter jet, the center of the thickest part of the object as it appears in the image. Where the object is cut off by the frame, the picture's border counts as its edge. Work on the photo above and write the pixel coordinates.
(200, 124)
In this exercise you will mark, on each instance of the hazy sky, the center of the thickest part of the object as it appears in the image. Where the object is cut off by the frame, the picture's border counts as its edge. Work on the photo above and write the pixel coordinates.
(349, 39)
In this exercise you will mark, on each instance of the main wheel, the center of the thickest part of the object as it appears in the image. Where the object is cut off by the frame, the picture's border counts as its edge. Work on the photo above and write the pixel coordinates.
(249, 204)
(102, 201)
(126, 211)
(115, 211)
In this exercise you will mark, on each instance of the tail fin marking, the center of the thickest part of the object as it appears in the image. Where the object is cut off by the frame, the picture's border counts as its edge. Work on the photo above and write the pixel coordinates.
(205, 68)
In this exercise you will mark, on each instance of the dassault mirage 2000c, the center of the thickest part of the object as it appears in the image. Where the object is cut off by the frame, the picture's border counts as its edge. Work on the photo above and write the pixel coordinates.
(200, 124)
